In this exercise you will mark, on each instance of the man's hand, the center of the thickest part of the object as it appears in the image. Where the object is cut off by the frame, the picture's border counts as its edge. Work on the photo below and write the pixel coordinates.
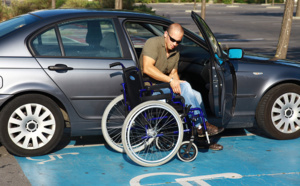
(175, 85)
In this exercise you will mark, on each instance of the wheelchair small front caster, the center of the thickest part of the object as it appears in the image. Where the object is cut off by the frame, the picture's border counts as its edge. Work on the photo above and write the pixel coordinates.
(187, 154)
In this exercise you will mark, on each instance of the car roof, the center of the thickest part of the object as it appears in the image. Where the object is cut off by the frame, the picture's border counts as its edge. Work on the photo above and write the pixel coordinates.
(72, 13)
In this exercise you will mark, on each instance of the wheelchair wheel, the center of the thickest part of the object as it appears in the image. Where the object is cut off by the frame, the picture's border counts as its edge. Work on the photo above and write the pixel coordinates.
(164, 144)
(152, 133)
(187, 156)
(112, 122)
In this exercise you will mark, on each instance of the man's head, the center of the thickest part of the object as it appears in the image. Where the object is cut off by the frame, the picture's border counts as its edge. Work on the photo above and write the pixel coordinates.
(173, 36)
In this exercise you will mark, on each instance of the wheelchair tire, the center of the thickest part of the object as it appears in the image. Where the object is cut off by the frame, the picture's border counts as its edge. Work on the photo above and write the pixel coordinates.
(143, 125)
(185, 156)
(112, 122)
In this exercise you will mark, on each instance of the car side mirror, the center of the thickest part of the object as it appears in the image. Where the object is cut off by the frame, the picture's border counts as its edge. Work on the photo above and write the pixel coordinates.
(235, 53)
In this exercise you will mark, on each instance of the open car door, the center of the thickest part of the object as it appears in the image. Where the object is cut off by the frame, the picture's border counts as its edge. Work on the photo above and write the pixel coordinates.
(222, 75)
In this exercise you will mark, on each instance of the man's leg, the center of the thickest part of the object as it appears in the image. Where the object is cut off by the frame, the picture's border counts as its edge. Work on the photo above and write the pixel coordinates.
(194, 98)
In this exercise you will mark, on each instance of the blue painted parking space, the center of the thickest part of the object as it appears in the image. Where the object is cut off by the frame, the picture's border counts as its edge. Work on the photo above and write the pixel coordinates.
(245, 160)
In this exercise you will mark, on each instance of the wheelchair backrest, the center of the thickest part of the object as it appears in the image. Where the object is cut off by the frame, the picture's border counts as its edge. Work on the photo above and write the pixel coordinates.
(134, 86)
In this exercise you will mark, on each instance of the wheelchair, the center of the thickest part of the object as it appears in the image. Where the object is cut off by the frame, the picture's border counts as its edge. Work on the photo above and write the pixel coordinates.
(150, 129)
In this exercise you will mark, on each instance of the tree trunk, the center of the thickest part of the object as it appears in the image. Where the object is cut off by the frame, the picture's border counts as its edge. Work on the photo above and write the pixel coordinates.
(53, 4)
(195, 4)
(118, 4)
(298, 9)
(286, 27)
(203, 9)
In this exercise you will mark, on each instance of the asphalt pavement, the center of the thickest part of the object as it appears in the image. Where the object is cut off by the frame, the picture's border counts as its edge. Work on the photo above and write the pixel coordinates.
(10, 171)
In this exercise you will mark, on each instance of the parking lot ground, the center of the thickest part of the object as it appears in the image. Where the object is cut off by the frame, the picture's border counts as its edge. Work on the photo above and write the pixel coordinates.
(247, 159)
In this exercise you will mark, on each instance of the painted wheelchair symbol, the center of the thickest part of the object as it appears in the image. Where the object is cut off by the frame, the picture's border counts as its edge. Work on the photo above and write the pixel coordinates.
(52, 157)
(199, 180)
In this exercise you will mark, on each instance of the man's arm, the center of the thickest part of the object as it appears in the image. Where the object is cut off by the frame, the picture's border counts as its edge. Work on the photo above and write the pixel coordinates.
(153, 72)
(175, 83)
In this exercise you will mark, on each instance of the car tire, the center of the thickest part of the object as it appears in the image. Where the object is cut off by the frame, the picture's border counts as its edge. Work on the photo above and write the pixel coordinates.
(31, 125)
(278, 112)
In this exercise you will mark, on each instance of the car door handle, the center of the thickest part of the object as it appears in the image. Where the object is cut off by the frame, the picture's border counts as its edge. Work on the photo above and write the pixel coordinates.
(60, 67)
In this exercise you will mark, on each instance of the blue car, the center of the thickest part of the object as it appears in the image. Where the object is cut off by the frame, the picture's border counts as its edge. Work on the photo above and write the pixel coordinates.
(54, 74)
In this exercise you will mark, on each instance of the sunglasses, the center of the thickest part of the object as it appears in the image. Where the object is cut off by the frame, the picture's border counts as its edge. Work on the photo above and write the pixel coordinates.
(173, 40)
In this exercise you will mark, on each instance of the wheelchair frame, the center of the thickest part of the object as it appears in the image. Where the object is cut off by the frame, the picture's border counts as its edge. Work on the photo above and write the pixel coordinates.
(153, 131)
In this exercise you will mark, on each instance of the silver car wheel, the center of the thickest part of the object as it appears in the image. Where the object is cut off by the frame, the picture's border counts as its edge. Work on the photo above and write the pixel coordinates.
(285, 113)
(31, 126)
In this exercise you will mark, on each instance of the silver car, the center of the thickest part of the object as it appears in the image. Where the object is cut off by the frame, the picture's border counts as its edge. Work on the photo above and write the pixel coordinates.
(54, 73)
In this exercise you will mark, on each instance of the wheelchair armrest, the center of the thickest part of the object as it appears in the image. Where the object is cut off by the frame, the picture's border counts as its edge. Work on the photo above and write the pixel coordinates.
(157, 97)
(158, 86)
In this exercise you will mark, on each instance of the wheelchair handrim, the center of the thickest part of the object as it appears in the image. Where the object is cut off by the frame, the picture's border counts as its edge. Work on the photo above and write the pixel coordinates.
(133, 149)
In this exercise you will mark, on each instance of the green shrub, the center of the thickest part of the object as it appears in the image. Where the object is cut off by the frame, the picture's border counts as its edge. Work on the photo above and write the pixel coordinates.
(3, 12)
(143, 8)
(22, 7)
(59, 3)
(81, 4)
(227, 1)
(97, 4)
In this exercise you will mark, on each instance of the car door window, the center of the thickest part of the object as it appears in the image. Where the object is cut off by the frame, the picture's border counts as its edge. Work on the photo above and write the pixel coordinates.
(90, 38)
(46, 44)
(94, 38)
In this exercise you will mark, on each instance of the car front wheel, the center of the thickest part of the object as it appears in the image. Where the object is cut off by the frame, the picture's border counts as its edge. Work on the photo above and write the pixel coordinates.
(278, 113)
(31, 125)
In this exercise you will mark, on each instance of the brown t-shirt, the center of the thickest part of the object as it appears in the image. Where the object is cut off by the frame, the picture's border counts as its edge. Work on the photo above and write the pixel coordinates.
(155, 48)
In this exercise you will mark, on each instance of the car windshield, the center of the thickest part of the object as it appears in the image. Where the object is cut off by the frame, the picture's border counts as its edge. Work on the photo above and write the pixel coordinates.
(16, 23)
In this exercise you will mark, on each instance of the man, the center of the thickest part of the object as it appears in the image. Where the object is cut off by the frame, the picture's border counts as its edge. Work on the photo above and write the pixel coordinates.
(159, 60)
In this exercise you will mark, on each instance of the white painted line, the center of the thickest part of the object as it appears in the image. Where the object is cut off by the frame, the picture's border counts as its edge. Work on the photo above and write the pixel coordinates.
(273, 7)
(247, 134)
(242, 40)
(232, 6)
(80, 146)
(136, 180)
(275, 174)
(189, 11)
